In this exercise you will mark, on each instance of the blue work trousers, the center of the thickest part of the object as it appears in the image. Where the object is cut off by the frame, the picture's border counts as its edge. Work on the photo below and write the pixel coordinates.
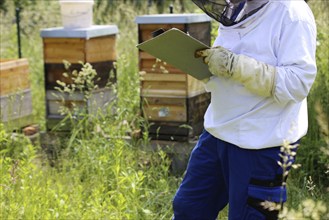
(220, 174)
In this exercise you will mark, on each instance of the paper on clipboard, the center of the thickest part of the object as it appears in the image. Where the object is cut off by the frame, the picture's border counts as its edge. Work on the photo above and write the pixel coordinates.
(177, 49)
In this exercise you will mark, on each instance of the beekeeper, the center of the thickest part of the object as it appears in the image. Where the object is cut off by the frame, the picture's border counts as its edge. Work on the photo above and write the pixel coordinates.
(263, 66)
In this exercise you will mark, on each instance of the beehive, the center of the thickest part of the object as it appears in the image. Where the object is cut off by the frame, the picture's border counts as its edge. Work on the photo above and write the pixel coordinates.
(15, 93)
(172, 101)
(94, 45)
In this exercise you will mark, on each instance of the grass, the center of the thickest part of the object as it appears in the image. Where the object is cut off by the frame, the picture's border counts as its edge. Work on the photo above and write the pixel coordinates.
(94, 173)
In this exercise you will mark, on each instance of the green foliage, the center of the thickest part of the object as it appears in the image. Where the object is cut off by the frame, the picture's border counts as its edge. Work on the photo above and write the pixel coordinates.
(161, 6)
(95, 177)
(21, 4)
(13, 145)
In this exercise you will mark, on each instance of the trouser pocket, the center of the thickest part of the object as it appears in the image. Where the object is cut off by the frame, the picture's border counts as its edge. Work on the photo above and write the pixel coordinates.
(264, 199)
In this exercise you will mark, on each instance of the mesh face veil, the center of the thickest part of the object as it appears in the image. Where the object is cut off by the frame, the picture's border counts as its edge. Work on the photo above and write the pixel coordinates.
(227, 12)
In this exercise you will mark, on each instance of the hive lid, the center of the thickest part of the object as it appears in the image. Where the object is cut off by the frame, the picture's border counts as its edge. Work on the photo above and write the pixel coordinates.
(90, 32)
(172, 18)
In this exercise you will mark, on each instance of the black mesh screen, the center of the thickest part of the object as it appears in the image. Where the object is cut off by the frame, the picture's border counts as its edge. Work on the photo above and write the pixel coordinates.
(213, 9)
(225, 12)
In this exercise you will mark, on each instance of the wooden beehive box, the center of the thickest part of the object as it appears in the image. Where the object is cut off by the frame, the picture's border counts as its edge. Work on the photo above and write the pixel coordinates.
(15, 93)
(75, 102)
(172, 101)
(94, 45)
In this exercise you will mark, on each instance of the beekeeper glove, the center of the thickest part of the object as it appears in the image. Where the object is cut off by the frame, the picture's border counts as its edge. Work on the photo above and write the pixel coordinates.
(256, 76)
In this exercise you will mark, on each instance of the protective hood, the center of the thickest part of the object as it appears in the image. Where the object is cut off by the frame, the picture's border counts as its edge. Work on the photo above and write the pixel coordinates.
(228, 12)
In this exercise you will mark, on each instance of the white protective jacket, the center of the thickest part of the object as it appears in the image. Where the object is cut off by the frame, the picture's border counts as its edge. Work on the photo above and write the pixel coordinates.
(282, 34)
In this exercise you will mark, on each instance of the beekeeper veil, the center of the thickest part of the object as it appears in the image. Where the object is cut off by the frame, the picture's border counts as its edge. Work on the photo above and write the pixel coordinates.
(229, 12)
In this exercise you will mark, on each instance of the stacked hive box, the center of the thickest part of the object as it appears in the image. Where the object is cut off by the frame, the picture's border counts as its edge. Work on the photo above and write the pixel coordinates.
(15, 93)
(94, 45)
(172, 101)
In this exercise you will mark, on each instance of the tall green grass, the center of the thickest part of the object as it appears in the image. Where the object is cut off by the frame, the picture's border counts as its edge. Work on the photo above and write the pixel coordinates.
(96, 178)
(95, 173)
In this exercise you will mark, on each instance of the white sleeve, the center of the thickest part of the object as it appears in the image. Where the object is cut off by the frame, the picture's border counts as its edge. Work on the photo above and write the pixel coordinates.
(296, 67)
